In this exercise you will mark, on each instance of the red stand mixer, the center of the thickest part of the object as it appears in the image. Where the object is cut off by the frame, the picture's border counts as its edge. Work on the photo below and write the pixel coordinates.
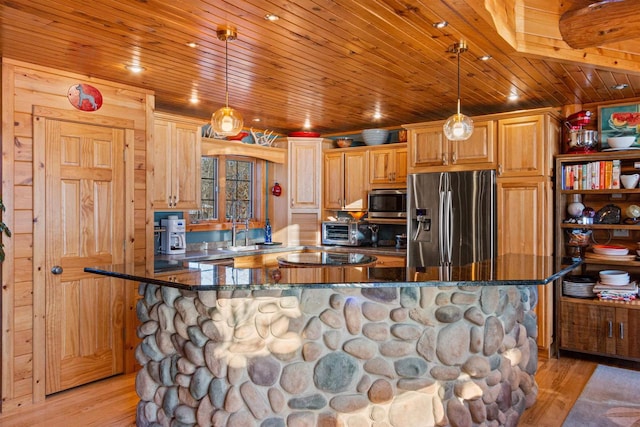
(576, 138)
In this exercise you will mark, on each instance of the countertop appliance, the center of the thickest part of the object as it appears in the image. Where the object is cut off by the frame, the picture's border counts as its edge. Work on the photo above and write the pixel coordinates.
(173, 238)
(346, 233)
(451, 218)
(387, 203)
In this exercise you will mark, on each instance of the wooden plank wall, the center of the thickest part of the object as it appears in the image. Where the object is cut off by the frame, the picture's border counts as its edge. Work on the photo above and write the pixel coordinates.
(23, 86)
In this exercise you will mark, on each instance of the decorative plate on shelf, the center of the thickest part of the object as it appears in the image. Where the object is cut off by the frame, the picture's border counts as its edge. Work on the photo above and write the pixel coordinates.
(610, 250)
(303, 134)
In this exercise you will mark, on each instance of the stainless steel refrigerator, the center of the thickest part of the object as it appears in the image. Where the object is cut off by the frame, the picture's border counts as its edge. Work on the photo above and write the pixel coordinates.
(451, 218)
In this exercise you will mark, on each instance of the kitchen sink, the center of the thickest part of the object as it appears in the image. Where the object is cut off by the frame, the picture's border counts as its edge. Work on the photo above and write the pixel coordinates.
(243, 248)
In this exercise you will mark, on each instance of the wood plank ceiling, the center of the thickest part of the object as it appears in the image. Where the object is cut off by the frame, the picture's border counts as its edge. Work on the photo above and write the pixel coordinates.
(332, 64)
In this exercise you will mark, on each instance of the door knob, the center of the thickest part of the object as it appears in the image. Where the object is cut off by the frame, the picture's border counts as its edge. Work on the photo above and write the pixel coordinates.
(56, 269)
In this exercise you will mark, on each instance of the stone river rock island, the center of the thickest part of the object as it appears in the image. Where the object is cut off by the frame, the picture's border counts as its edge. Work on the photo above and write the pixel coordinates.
(287, 347)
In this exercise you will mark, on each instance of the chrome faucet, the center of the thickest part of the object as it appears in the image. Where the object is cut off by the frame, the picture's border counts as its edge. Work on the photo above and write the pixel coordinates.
(235, 231)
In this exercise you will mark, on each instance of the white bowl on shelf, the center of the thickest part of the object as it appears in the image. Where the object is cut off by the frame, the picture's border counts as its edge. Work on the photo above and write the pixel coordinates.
(621, 141)
(630, 181)
(614, 277)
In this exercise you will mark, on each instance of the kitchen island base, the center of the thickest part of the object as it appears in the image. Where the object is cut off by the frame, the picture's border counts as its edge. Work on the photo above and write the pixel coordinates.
(382, 356)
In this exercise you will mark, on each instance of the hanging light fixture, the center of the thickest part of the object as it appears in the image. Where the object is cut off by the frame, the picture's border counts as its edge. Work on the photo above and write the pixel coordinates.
(458, 127)
(226, 121)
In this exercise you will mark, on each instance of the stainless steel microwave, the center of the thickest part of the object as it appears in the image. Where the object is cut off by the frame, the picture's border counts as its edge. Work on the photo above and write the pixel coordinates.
(388, 203)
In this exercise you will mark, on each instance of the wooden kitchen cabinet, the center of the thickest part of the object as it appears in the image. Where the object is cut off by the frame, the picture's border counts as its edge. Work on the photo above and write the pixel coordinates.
(603, 329)
(174, 162)
(431, 151)
(304, 171)
(525, 216)
(345, 179)
(305, 163)
(388, 166)
(526, 145)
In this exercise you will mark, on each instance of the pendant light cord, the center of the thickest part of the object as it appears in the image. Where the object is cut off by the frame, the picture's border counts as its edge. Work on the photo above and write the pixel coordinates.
(226, 73)
(458, 55)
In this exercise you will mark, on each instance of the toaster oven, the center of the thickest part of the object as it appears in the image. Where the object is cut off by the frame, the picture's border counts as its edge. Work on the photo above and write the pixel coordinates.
(342, 233)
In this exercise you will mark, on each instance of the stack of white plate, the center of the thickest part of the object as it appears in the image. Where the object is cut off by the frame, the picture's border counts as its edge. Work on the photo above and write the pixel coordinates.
(614, 277)
(578, 286)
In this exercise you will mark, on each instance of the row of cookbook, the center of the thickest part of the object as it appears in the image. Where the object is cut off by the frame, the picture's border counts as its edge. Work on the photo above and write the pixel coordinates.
(601, 175)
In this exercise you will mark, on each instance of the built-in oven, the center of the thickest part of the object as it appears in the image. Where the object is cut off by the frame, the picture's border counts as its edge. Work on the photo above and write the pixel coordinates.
(387, 204)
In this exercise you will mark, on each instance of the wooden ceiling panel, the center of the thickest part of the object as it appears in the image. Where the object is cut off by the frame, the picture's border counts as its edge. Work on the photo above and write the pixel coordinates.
(332, 63)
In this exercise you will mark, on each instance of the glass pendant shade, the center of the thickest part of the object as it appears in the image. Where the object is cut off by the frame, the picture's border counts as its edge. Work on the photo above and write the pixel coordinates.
(458, 127)
(226, 122)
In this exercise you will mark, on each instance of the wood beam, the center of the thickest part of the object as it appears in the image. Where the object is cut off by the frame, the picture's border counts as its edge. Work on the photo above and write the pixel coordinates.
(601, 23)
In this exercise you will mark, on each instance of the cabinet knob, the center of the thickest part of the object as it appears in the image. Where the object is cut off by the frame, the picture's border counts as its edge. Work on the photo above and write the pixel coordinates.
(454, 158)
(56, 269)
(500, 170)
(444, 159)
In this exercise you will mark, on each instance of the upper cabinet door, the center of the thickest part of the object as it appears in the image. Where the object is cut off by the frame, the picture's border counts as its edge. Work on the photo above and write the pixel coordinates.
(356, 184)
(175, 162)
(428, 147)
(479, 150)
(305, 161)
(522, 147)
(334, 180)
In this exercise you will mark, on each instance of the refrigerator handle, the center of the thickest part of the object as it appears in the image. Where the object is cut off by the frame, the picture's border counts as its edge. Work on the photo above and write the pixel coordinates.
(441, 218)
(449, 240)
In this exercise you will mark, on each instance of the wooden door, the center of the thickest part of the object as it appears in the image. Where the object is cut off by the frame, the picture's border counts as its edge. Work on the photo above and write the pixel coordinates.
(381, 166)
(356, 184)
(588, 328)
(479, 149)
(628, 332)
(161, 155)
(427, 147)
(400, 174)
(305, 161)
(185, 166)
(85, 206)
(333, 180)
(522, 147)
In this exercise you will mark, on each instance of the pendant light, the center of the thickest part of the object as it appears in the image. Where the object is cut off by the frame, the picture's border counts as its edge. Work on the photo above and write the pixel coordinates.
(458, 127)
(226, 121)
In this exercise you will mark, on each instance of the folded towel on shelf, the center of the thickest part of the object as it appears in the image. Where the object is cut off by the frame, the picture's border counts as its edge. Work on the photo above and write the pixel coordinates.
(628, 292)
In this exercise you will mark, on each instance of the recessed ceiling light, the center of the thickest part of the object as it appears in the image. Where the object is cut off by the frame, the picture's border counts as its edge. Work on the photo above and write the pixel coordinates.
(440, 24)
(257, 119)
(271, 17)
(377, 115)
(134, 68)
(513, 97)
(485, 57)
(192, 44)
(620, 86)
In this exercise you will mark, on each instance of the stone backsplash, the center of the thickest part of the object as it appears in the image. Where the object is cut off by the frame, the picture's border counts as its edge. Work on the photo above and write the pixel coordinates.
(400, 357)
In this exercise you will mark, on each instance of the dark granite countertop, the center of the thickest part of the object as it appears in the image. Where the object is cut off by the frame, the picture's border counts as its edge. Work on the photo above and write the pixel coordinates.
(202, 275)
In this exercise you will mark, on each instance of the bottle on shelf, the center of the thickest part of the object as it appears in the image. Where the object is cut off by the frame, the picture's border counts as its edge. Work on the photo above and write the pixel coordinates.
(267, 231)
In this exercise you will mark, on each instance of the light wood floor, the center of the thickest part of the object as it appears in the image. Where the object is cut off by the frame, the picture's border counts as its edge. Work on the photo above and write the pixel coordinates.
(113, 402)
